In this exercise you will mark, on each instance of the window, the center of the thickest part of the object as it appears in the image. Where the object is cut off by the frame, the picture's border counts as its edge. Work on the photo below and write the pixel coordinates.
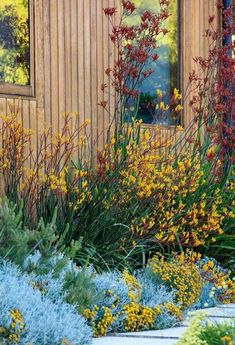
(16, 49)
(166, 68)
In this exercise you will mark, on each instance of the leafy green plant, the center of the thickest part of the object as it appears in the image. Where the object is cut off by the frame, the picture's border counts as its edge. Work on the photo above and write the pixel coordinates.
(14, 42)
(218, 334)
(17, 241)
(201, 332)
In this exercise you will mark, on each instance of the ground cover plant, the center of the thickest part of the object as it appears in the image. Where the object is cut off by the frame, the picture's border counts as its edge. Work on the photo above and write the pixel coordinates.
(28, 316)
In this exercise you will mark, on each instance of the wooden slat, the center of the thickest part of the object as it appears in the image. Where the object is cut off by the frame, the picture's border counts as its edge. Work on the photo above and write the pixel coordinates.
(100, 73)
(61, 59)
(94, 79)
(46, 62)
(81, 63)
(68, 54)
(87, 66)
(55, 117)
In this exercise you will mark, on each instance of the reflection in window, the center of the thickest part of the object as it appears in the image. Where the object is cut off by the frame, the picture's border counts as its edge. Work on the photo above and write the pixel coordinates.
(165, 77)
(14, 42)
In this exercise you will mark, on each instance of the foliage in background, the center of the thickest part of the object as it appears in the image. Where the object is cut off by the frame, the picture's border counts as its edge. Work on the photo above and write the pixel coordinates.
(14, 42)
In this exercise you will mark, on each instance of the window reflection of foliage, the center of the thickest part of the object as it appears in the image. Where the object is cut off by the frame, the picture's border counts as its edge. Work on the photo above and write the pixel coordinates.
(168, 56)
(14, 42)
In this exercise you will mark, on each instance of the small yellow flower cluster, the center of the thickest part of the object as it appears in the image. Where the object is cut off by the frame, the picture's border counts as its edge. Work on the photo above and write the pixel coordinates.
(211, 272)
(173, 105)
(13, 334)
(89, 314)
(133, 286)
(104, 319)
(227, 340)
(58, 184)
(139, 317)
(103, 324)
(174, 310)
(183, 277)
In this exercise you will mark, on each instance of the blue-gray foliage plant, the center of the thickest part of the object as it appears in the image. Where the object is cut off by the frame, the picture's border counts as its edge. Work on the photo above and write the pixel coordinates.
(60, 277)
(112, 292)
(155, 294)
(152, 293)
(47, 321)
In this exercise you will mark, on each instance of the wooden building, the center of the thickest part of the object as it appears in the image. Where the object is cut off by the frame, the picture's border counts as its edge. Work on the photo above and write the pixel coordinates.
(69, 48)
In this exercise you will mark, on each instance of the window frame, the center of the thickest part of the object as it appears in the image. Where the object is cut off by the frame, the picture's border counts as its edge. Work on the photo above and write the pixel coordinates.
(25, 90)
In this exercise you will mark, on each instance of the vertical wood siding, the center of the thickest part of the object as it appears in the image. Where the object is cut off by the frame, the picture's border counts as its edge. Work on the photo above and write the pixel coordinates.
(72, 50)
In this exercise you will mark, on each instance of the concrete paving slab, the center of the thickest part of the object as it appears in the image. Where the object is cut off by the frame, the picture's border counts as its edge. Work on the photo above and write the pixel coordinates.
(174, 332)
(227, 306)
(221, 312)
(132, 341)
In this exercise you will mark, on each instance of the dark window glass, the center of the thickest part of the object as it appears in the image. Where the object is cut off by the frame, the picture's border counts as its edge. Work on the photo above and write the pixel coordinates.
(165, 76)
(14, 42)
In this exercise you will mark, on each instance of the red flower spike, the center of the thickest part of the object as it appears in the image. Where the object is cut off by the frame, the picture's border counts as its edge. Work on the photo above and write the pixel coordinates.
(128, 6)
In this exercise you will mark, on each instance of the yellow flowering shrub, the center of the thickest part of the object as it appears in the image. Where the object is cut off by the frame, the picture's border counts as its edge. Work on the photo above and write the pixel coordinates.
(139, 317)
(103, 324)
(138, 185)
(223, 284)
(183, 277)
(173, 310)
(211, 272)
(100, 319)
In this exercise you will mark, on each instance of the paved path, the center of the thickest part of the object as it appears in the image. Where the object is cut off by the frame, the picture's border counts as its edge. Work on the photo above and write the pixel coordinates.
(223, 313)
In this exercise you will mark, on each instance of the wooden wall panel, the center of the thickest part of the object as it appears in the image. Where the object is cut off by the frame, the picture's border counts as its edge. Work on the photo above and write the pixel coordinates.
(72, 50)
(194, 22)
